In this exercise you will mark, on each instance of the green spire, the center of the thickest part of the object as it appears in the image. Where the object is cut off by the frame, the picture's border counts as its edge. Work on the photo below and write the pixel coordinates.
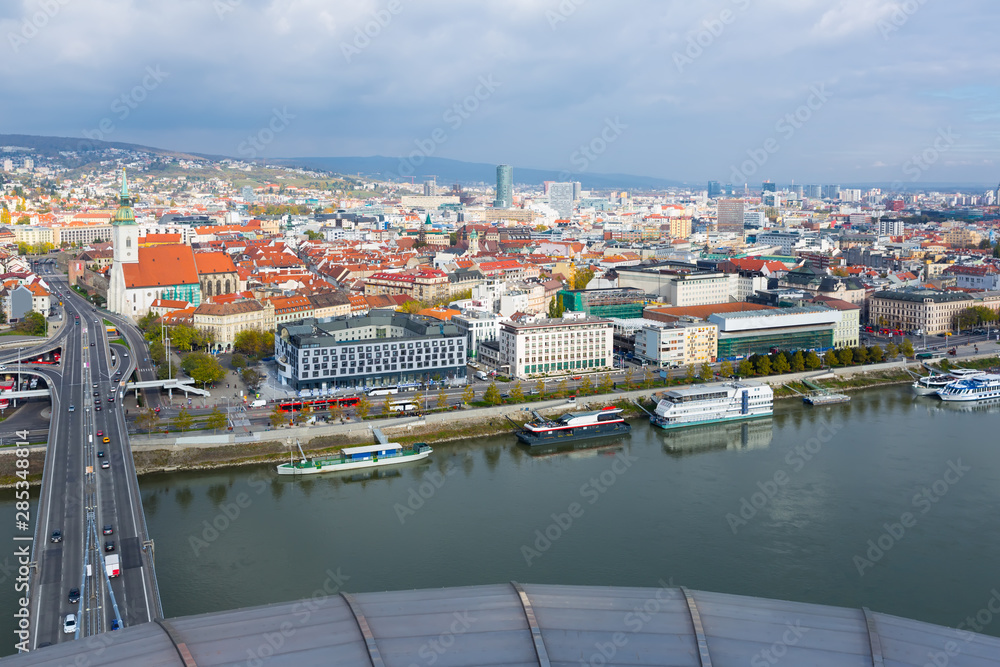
(124, 215)
(124, 183)
(428, 220)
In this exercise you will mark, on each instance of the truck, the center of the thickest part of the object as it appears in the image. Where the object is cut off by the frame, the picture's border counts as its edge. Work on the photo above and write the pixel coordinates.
(259, 403)
(112, 565)
(480, 375)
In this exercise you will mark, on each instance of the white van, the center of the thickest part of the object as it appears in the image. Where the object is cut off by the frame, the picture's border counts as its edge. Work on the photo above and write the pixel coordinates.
(259, 403)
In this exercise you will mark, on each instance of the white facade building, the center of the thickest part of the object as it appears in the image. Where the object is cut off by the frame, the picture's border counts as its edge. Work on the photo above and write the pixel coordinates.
(537, 346)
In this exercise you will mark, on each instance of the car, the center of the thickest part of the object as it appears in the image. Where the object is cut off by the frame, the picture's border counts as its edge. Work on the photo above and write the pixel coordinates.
(97, 393)
(72, 408)
(69, 625)
(100, 433)
(100, 453)
(105, 464)
(111, 399)
(97, 401)
(156, 409)
(97, 408)
(91, 343)
(95, 385)
(571, 399)
(74, 595)
(115, 624)
(941, 335)
(108, 530)
(56, 536)
(106, 440)
(109, 545)
(3, 368)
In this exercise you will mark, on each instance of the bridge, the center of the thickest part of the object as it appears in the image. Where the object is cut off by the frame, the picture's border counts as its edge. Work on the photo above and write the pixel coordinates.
(180, 384)
(78, 497)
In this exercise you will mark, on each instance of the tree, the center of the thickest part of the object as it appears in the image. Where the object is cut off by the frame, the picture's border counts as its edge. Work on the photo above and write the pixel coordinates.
(540, 389)
(313, 236)
(689, 374)
(306, 413)
(556, 308)
(906, 347)
(606, 385)
(203, 368)
(254, 344)
(745, 369)
(706, 373)
(780, 365)
(468, 394)
(252, 378)
(860, 355)
(813, 361)
(581, 278)
(798, 362)
(362, 408)
(516, 393)
(217, 420)
(183, 420)
(146, 419)
(336, 412)
(563, 388)
(442, 399)
(418, 400)
(763, 366)
(492, 395)
(875, 354)
(830, 358)
(182, 336)
(629, 378)
(32, 324)
(845, 356)
(726, 369)
(891, 350)
(277, 417)
(386, 408)
(238, 361)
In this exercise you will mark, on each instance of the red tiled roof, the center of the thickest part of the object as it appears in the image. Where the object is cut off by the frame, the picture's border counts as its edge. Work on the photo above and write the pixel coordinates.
(214, 262)
(161, 265)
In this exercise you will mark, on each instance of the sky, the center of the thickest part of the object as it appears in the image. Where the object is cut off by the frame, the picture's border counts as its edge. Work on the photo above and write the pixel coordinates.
(804, 91)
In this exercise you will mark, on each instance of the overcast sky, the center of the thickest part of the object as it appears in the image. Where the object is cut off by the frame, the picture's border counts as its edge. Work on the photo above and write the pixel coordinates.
(876, 90)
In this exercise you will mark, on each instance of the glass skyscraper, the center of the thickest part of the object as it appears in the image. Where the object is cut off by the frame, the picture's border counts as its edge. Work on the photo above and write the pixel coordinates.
(505, 187)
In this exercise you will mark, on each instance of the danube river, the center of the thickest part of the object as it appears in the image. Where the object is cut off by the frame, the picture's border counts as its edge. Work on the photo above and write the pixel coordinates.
(889, 501)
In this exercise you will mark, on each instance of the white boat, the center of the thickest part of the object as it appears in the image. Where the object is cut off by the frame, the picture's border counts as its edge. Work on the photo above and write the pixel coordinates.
(978, 387)
(713, 403)
(931, 384)
(354, 458)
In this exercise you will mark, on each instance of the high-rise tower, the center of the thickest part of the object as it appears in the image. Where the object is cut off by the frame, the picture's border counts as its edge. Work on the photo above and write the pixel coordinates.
(505, 187)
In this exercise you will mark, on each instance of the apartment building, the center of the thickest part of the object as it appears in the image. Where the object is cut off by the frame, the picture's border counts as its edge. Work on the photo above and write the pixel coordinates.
(427, 285)
(933, 312)
(679, 344)
(226, 320)
(534, 346)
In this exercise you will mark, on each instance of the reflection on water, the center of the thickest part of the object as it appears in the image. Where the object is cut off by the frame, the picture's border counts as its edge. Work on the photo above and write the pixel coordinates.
(576, 450)
(987, 405)
(754, 434)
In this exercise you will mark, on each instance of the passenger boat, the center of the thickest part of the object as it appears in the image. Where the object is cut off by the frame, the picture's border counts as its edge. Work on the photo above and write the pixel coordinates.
(354, 458)
(931, 384)
(978, 387)
(573, 426)
(713, 403)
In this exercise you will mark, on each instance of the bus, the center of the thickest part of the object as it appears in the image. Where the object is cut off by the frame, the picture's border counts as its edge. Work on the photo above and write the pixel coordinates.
(383, 391)
(112, 331)
(5, 386)
(319, 403)
(403, 406)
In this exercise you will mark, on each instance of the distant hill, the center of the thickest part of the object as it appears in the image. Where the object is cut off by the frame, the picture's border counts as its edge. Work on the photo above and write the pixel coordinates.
(53, 146)
(456, 171)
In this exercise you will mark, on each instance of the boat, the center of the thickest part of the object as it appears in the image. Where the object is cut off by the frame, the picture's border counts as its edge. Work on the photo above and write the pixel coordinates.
(979, 387)
(573, 426)
(354, 458)
(931, 384)
(713, 403)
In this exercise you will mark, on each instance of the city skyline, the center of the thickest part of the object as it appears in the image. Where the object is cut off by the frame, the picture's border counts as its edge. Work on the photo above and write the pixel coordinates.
(861, 91)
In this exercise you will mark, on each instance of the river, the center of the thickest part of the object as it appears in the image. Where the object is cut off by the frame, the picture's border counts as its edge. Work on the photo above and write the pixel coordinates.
(889, 501)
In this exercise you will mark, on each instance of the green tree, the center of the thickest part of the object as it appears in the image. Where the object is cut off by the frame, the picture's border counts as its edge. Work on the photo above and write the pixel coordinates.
(146, 420)
(891, 351)
(216, 419)
(845, 356)
(813, 361)
(706, 373)
(556, 308)
(157, 352)
(906, 347)
(203, 368)
(492, 395)
(362, 407)
(252, 378)
(763, 366)
(468, 394)
(780, 365)
(606, 385)
(586, 386)
(540, 389)
(746, 369)
(860, 354)
(442, 399)
(238, 361)
(726, 369)
(31, 324)
(875, 354)
(830, 358)
(798, 362)
(183, 420)
(581, 278)
(516, 393)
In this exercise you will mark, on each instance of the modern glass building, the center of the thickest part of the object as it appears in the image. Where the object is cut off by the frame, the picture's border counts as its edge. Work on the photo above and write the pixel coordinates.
(505, 187)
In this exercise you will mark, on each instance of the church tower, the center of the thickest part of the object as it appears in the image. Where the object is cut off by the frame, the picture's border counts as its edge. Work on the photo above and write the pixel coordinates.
(473, 244)
(125, 242)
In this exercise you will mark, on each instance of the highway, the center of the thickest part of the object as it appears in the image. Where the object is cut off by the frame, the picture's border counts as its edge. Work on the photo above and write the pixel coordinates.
(74, 486)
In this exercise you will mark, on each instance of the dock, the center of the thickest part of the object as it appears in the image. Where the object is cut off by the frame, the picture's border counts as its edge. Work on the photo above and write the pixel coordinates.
(821, 395)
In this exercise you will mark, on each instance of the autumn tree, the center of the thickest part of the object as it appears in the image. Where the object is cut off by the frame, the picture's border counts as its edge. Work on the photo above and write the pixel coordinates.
(586, 386)
(763, 366)
(726, 369)
(798, 362)
(606, 385)
(492, 395)
(362, 408)
(746, 369)
(216, 419)
(516, 393)
(468, 394)
(780, 365)
(706, 373)
(183, 420)
(813, 361)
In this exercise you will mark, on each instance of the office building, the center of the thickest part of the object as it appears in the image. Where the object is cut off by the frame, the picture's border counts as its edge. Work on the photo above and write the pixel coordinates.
(678, 344)
(730, 212)
(831, 192)
(534, 346)
(505, 187)
(890, 227)
(478, 327)
(928, 310)
(813, 191)
(380, 349)
(714, 189)
(561, 199)
(768, 186)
